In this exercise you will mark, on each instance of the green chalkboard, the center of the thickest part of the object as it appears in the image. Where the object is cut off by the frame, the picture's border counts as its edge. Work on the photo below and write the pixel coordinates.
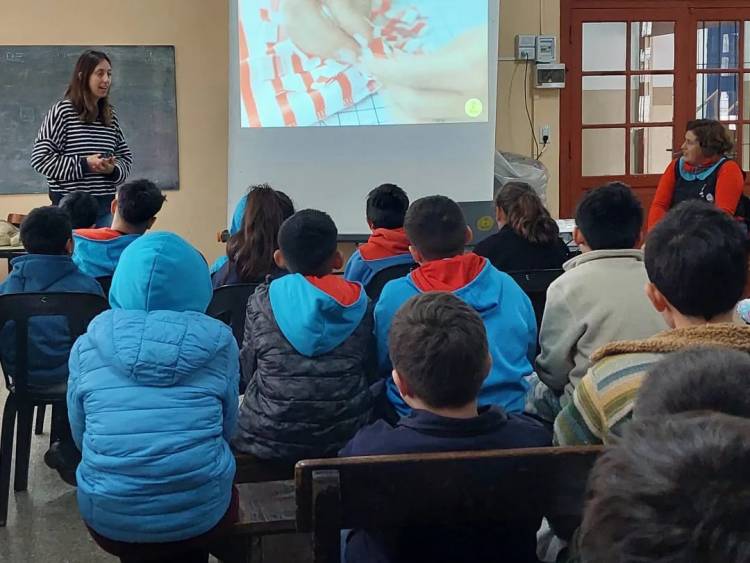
(32, 78)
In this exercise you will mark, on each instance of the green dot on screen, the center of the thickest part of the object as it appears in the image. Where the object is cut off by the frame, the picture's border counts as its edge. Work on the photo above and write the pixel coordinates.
(474, 107)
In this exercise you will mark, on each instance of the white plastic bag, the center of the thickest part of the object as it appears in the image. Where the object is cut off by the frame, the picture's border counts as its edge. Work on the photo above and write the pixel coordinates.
(511, 167)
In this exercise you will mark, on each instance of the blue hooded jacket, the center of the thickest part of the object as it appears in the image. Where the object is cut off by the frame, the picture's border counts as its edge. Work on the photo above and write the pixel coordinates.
(152, 400)
(505, 309)
(49, 339)
(98, 257)
(363, 271)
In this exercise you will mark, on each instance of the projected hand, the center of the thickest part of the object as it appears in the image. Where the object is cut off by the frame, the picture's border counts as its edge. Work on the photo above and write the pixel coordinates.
(437, 86)
(326, 28)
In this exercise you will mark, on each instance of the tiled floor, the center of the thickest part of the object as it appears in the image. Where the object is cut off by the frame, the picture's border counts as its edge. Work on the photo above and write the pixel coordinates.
(43, 522)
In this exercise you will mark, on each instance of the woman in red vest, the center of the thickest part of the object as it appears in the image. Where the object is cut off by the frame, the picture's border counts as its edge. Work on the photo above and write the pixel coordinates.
(704, 171)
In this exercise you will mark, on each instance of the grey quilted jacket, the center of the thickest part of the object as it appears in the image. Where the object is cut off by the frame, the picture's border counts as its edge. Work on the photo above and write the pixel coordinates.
(299, 406)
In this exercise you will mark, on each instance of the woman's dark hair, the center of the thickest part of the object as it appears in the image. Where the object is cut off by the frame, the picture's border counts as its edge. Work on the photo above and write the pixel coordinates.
(84, 102)
(712, 136)
(526, 213)
(252, 247)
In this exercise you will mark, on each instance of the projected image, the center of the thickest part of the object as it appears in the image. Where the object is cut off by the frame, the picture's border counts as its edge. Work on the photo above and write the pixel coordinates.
(362, 62)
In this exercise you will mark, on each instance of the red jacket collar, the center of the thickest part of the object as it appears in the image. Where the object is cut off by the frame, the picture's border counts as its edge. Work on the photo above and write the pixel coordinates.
(104, 233)
(448, 274)
(346, 293)
(384, 243)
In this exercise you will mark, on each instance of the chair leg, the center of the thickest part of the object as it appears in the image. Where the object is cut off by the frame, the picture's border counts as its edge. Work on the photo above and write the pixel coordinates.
(6, 455)
(24, 427)
(41, 410)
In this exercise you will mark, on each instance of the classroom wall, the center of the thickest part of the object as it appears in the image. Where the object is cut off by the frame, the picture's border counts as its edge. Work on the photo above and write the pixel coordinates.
(198, 30)
(513, 132)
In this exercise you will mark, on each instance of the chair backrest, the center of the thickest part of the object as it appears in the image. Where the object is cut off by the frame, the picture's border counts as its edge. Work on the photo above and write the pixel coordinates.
(229, 305)
(106, 283)
(77, 308)
(535, 284)
(378, 281)
(443, 489)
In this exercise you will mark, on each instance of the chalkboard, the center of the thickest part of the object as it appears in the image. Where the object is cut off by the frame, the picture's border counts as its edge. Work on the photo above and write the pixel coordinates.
(33, 78)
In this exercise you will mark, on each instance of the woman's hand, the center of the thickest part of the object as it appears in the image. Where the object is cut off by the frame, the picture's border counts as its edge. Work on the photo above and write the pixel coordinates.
(99, 165)
(326, 28)
(108, 165)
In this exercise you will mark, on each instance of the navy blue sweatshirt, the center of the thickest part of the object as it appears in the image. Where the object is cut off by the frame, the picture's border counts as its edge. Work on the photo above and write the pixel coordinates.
(425, 432)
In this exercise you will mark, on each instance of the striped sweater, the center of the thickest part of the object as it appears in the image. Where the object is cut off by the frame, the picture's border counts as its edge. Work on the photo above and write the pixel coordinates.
(603, 400)
(64, 142)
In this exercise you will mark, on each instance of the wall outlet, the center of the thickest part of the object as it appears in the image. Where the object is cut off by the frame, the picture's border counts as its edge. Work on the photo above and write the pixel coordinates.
(544, 133)
(525, 47)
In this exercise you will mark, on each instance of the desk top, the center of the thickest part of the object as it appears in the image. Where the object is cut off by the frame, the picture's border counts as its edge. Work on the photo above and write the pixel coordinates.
(5, 250)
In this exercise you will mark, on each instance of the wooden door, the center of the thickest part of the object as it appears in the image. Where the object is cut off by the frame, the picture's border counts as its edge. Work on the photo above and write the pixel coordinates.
(638, 71)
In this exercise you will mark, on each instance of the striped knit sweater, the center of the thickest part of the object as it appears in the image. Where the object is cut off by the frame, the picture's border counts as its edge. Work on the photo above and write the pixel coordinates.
(64, 142)
(603, 400)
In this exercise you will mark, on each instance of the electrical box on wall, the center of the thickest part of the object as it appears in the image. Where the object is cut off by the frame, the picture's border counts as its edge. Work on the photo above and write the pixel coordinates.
(546, 48)
(550, 75)
(525, 47)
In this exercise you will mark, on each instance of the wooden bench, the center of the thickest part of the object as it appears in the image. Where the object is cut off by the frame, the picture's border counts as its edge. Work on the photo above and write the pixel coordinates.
(445, 489)
(267, 504)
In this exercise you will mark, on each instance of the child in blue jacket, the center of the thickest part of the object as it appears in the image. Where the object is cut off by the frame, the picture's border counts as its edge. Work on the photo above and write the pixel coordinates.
(152, 401)
(388, 244)
(133, 213)
(438, 232)
(46, 235)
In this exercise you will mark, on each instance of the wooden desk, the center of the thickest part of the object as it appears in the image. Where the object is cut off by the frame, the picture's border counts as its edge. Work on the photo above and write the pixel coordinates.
(10, 252)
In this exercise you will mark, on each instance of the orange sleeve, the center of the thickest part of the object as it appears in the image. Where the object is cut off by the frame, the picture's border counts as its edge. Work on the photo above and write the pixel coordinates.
(663, 197)
(729, 185)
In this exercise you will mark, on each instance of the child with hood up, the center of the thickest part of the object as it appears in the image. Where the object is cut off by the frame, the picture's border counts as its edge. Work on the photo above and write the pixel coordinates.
(152, 402)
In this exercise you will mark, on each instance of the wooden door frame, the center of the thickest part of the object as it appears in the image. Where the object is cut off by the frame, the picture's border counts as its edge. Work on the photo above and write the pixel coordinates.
(682, 12)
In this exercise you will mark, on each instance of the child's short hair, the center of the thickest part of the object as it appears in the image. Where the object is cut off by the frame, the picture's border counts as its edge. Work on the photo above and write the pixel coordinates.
(46, 230)
(386, 206)
(436, 227)
(610, 217)
(697, 258)
(697, 379)
(438, 345)
(308, 240)
(673, 489)
(82, 209)
(138, 201)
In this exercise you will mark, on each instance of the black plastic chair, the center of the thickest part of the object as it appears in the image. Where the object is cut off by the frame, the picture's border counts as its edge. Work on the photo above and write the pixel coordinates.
(106, 283)
(534, 284)
(378, 281)
(229, 305)
(41, 411)
(78, 309)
